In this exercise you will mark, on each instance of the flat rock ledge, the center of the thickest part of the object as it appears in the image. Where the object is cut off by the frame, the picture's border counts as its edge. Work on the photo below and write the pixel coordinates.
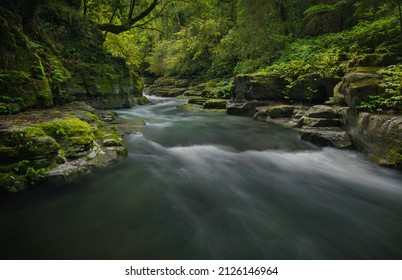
(319, 124)
(328, 137)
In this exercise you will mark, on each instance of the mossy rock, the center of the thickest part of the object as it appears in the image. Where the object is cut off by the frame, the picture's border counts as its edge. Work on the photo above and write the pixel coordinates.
(75, 136)
(166, 91)
(377, 59)
(281, 111)
(193, 92)
(359, 87)
(312, 88)
(258, 87)
(339, 98)
(26, 143)
(197, 101)
(215, 104)
(395, 158)
(20, 91)
(143, 100)
(190, 107)
(13, 183)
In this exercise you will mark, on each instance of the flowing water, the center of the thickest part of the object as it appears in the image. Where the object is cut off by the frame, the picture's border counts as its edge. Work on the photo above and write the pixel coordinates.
(199, 185)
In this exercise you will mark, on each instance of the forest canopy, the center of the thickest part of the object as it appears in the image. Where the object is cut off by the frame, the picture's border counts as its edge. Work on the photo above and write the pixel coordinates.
(218, 38)
(222, 37)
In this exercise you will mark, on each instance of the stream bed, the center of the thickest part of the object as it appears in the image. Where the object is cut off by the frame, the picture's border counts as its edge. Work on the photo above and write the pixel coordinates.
(205, 185)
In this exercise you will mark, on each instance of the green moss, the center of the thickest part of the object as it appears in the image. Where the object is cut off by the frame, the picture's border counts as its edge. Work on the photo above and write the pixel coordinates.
(74, 135)
(197, 101)
(109, 136)
(12, 182)
(7, 153)
(138, 86)
(142, 100)
(66, 127)
(395, 157)
(218, 88)
(28, 147)
(190, 107)
(215, 104)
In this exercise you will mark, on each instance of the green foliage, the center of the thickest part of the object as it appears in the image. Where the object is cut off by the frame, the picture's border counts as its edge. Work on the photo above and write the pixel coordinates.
(21, 166)
(392, 76)
(374, 104)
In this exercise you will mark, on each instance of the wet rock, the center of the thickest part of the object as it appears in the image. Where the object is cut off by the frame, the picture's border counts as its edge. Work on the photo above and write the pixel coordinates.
(111, 142)
(258, 87)
(215, 104)
(276, 111)
(327, 137)
(312, 88)
(197, 101)
(358, 87)
(321, 111)
(339, 98)
(41, 145)
(379, 137)
(321, 122)
(243, 108)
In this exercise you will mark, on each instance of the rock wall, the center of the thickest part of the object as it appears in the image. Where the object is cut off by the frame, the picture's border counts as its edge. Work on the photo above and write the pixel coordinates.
(57, 59)
(379, 137)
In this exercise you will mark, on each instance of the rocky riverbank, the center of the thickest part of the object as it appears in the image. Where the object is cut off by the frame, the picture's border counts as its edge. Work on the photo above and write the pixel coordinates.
(363, 112)
(340, 123)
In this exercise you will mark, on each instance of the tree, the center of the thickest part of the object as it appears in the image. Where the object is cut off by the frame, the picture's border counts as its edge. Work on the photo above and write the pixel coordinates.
(130, 19)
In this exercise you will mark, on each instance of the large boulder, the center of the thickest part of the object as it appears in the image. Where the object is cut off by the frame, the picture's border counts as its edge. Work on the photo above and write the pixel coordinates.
(358, 87)
(258, 87)
(312, 88)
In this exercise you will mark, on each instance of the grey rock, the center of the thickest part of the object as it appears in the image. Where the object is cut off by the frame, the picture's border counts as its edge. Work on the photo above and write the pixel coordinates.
(243, 108)
(318, 122)
(321, 111)
(327, 137)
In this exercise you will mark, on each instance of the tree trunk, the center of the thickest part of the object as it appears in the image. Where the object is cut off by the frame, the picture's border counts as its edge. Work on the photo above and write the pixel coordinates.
(85, 12)
(400, 18)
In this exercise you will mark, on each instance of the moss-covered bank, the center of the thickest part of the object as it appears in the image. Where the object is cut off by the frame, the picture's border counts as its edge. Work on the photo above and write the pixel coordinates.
(54, 144)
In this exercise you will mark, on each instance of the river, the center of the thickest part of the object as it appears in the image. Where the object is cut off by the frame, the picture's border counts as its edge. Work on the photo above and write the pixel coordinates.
(205, 185)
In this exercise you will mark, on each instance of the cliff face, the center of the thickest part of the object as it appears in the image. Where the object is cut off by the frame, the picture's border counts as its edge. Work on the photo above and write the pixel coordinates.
(50, 56)
(56, 57)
